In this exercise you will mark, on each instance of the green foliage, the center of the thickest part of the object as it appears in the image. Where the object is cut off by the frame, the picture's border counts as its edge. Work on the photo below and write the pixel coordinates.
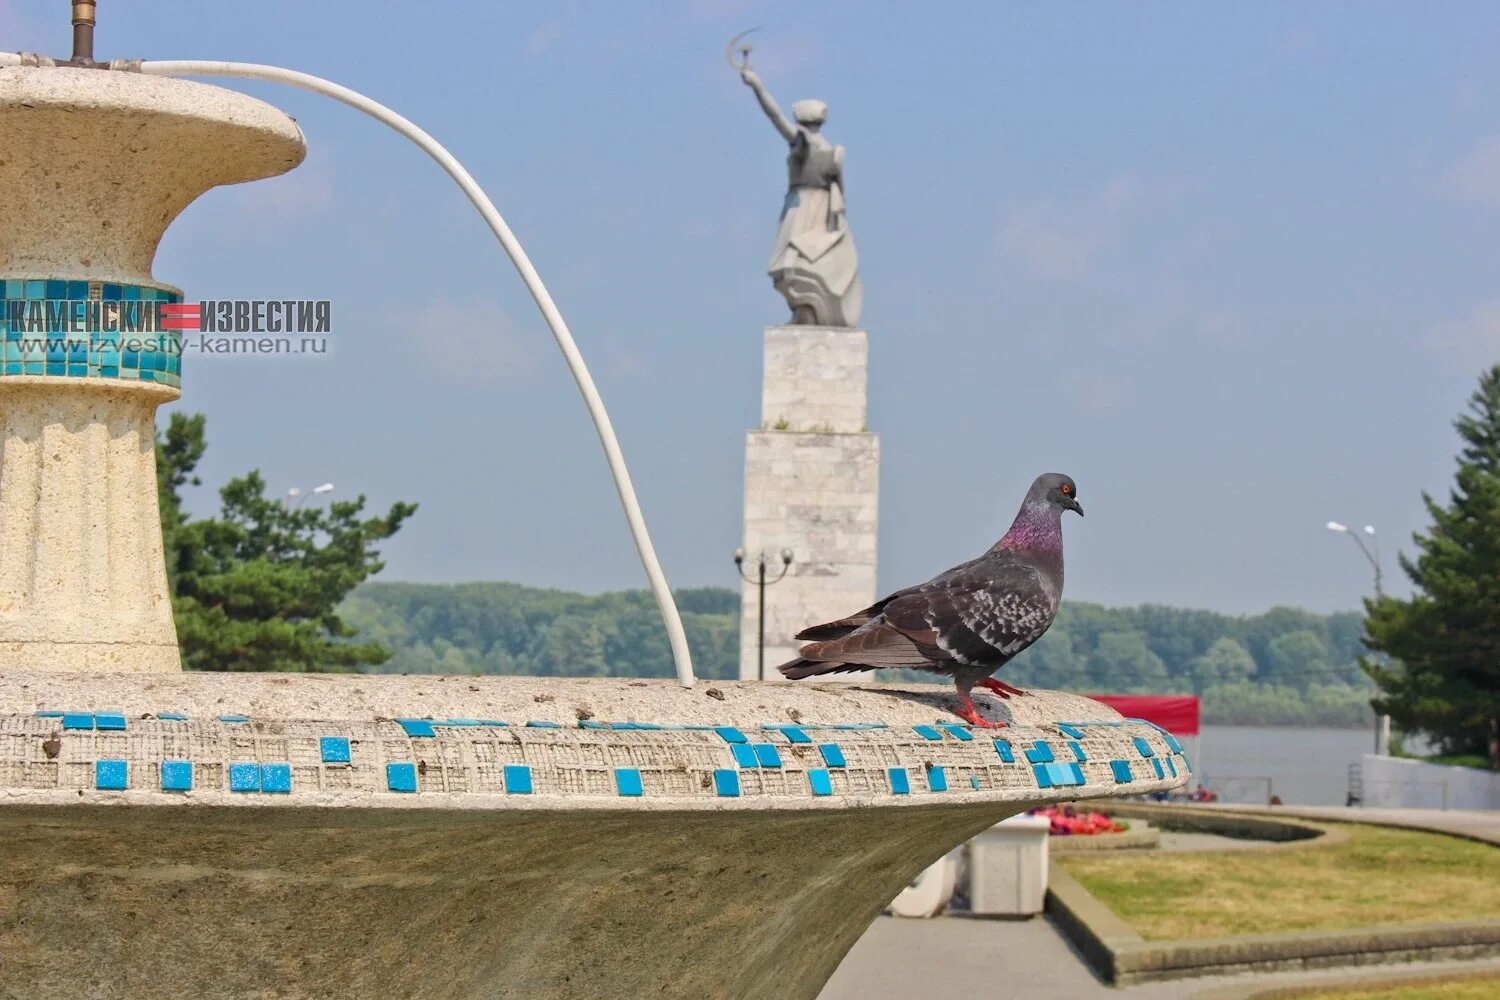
(258, 587)
(506, 628)
(1442, 677)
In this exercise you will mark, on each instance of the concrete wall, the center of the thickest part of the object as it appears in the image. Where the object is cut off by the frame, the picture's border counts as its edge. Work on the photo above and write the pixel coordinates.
(1395, 782)
(812, 482)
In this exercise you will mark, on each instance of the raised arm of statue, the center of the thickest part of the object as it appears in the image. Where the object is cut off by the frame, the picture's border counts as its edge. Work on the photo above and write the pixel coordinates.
(768, 104)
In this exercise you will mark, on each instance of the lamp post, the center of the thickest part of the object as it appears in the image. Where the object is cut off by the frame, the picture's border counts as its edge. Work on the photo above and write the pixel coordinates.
(1372, 556)
(296, 494)
(761, 583)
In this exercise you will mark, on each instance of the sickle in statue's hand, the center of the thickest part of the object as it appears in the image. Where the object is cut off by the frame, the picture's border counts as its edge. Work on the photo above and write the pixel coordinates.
(744, 51)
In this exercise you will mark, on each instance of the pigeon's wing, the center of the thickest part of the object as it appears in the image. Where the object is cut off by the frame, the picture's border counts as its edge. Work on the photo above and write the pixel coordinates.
(844, 626)
(981, 614)
(877, 646)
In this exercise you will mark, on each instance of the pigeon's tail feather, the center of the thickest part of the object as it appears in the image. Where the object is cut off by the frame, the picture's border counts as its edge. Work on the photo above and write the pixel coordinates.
(831, 630)
(800, 668)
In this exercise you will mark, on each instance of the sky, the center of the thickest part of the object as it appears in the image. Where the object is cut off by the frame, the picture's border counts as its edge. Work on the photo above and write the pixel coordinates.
(1235, 268)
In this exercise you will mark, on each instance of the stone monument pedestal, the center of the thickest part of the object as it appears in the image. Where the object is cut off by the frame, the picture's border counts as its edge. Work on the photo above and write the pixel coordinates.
(812, 482)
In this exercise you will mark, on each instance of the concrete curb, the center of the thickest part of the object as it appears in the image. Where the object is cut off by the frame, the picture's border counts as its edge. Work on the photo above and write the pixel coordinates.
(1381, 980)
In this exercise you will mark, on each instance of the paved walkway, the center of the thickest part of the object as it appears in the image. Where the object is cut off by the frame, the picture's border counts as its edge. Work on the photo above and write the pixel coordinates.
(900, 959)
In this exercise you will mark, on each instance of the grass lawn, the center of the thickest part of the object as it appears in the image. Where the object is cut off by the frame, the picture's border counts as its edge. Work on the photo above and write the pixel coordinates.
(1484, 988)
(1379, 876)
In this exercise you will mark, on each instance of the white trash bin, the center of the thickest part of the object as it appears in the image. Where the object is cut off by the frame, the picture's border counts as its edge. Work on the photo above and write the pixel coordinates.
(1008, 868)
(929, 892)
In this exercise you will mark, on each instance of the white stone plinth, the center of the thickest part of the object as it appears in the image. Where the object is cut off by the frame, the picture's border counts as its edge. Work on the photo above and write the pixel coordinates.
(1008, 868)
(812, 483)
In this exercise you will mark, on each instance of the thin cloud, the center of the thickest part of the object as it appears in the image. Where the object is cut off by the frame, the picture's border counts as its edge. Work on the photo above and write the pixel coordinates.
(1476, 176)
(473, 341)
(1058, 240)
(1473, 341)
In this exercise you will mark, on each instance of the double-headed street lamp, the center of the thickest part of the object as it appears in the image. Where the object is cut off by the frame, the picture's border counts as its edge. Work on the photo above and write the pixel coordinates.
(761, 583)
(296, 494)
(1372, 556)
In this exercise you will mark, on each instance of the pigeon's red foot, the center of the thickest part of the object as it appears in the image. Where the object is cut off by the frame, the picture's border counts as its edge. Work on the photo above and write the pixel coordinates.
(969, 714)
(1001, 688)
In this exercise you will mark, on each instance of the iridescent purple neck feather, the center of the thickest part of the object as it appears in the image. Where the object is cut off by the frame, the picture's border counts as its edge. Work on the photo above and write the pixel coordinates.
(1037, 528)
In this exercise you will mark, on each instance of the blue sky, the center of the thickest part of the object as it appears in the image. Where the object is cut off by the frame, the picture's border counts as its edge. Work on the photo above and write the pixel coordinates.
(1233, 267)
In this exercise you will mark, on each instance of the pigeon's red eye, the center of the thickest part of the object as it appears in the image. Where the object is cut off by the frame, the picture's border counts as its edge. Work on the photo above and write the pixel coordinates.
(1065, 489)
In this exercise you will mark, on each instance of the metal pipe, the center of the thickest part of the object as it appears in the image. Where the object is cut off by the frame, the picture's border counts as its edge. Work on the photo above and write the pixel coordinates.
(676, 637)
(84, 16)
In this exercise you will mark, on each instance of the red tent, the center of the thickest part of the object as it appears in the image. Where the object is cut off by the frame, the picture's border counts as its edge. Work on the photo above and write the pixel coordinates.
(1176, 713)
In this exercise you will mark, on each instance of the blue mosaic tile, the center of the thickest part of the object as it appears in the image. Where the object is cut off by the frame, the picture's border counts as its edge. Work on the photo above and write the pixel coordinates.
(111, 775)
(1172, 766)
(401, 777)
(1068, 729)
(1077, 749)
(937, 779)
(628, 781)
(1144, 747)
(1057, 775)
(744, 755)
(927, 732)
(335, 749)
(1187, 763)
(1172, 742)
(1003, 748)
(974, 783)
(1121, 768)
(1156, 762)
(417, 727)
(171, 716)
(1043, 775)
(833, 754)
(244, 777)
(234, 718)
(958, 731)
(766, 754)
(1040, 753)
(109, 720)
(492, 722)
(900, 783)
(461, 722)
(176, 776)
(796, 734)
(1075, 773)
(276, 779)
(77, 720)
(821, 781)
(727, 782)
(729, 734)
(518, 779)
(540, 724)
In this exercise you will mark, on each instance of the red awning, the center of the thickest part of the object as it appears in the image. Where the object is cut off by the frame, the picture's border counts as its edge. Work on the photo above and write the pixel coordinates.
(1176, 713)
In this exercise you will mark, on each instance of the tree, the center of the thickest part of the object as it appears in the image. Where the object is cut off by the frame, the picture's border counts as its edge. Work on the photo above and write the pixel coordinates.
(1225, 662)
(1297, 659)
(1123, 661)
(1443, 677)
(257, 587)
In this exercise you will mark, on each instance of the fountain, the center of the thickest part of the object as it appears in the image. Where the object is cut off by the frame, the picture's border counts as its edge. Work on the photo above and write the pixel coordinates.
(169, 834)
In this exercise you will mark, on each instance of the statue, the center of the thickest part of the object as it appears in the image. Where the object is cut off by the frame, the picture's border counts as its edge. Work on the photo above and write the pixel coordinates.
(814, 264)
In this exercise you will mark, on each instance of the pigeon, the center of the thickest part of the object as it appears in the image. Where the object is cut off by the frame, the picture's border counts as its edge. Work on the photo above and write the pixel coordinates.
(967, 622)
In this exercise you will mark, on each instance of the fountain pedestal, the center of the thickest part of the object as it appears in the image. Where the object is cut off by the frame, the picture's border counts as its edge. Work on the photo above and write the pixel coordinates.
(97, 164)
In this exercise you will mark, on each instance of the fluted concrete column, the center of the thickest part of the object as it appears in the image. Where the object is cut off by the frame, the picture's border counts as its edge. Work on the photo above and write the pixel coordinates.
(96, 165)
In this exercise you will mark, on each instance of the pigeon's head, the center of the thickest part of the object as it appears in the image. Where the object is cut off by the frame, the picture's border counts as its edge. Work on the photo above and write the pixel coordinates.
(1055, 490)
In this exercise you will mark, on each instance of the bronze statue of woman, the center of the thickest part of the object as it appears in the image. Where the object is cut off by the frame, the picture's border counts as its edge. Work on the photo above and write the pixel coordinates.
(814, 264)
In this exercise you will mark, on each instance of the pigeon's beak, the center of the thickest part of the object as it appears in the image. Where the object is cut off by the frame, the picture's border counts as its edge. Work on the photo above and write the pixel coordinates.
(1073, 505)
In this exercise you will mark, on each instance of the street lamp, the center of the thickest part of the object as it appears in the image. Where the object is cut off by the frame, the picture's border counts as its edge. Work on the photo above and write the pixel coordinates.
(296, 494)
(1373, 557)
(761, 583)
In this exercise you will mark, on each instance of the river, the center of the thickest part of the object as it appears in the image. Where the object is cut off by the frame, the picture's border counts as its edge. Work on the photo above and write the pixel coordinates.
(1301, 765)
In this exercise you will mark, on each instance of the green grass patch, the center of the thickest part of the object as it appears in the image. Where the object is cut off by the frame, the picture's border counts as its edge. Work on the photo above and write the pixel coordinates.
(1475, 988)
(1460, 760)
(1379, 876)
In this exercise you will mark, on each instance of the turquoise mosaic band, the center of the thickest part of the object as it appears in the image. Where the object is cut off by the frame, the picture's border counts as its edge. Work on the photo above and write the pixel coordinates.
(88, 329)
